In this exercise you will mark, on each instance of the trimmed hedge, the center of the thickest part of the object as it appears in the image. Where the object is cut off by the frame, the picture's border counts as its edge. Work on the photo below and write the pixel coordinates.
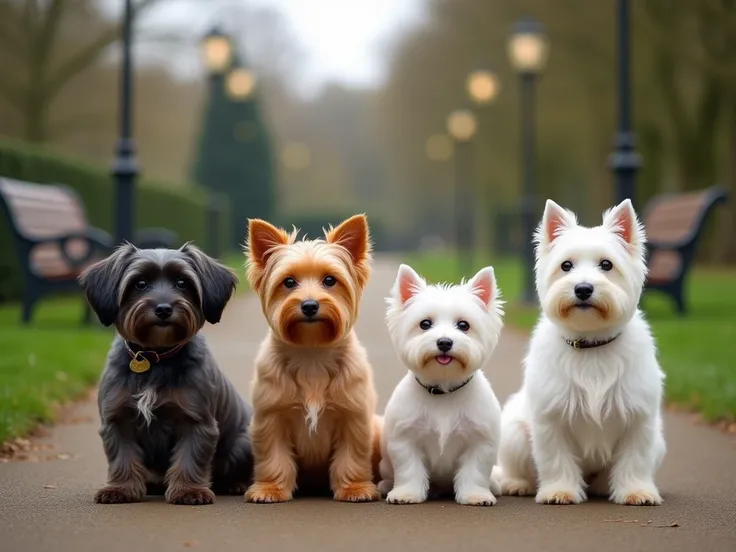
(182, 210)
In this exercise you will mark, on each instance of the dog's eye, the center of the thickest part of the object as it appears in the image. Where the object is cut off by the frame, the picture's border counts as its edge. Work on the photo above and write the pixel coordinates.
(289, 282)
(181, 284)
(425, 324)
(329, 281)
(606, 265)
(566, 266)
(463, 326)
(140, 285)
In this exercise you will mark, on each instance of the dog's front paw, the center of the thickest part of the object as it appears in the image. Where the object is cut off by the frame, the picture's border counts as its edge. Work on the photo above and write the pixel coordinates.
(267, 493)
(517, 487)
(117, 495)
(641, 495)
(191, 496)
(560, 494)
(364, 491)
(481, 498)
(405, 495)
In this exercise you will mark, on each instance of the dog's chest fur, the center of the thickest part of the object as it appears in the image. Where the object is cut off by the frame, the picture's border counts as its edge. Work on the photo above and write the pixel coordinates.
(313, 409)
(596, 393)
(444, 426)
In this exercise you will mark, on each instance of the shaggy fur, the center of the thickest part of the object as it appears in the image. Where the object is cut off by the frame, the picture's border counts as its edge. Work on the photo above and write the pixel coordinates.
(313, 398)
(180, 423)
(587, 418)
(448, 442)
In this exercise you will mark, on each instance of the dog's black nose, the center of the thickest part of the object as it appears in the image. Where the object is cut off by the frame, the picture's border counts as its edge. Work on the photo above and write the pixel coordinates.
(310, 308)
(583, 291)
(444, 344)
(163, 310)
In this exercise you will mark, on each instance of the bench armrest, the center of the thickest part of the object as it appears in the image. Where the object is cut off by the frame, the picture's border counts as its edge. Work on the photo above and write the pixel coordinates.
(97, 240)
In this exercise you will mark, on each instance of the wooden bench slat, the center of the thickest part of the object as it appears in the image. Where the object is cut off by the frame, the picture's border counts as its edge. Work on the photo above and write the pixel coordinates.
(674, 224)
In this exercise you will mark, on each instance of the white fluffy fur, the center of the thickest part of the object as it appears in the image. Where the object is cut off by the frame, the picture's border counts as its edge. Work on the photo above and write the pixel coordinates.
(450, 441)
(588, 418)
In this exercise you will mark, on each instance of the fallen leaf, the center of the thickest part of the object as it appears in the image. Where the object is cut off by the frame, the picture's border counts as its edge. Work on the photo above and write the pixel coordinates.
(49, 486)
(190, 543)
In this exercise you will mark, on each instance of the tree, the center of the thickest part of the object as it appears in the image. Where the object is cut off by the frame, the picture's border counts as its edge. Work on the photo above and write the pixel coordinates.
(234, 158)
(43, 48)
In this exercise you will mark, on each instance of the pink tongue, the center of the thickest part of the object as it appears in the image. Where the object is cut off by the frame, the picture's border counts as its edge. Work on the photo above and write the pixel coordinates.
(443, 359)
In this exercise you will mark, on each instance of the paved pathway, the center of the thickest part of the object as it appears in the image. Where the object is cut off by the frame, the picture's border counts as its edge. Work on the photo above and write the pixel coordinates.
(698, 481)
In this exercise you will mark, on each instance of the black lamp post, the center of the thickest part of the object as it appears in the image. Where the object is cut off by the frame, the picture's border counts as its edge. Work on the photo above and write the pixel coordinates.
(125, 167)
(218, 53)
(528, 53)
(462, 126)
(624, 160)
(483, 86)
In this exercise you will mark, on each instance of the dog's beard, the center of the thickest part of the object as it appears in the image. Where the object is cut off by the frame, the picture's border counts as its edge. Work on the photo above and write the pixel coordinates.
(431, 365)
(330, 324)
(604, 309)
(142, 326)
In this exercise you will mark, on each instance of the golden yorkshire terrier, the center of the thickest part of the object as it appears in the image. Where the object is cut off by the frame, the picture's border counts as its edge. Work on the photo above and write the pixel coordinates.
(313, 424)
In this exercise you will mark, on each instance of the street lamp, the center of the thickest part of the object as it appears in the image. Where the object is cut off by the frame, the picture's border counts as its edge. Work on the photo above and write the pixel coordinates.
(528, 52)
(240, 84)
(218, 51)
(125, 166)
(482, 86)
(624, 160)
(462, 126)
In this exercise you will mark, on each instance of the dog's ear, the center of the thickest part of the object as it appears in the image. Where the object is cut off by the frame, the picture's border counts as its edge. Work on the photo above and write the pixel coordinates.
(554, 221)
(483, 286)
(263, 238)
(622, 221)
(218, 282)
(101, 281)
(354, 235)
(408, 284)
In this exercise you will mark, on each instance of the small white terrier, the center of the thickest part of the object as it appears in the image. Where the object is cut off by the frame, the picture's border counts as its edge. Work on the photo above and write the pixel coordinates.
(588, 413)
(442, 422)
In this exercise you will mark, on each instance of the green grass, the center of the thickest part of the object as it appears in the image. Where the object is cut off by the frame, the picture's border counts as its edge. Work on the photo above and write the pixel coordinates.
(51, 361)
(695, 351)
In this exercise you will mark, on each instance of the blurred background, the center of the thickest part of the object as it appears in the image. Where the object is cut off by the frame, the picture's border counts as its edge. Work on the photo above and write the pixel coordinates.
(325, 108)
(448, 122)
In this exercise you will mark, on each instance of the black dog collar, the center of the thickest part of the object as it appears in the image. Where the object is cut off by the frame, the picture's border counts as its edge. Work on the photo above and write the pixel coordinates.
(585, 344)
(437, 390)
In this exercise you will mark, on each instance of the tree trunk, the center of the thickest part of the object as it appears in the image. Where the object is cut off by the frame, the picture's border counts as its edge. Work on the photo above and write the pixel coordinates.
(729, 212)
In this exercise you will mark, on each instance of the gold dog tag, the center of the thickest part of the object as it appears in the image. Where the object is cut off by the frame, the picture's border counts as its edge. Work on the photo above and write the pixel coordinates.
(139, 364)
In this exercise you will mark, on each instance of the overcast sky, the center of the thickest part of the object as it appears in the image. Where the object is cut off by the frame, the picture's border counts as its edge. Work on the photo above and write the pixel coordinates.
(342, 39)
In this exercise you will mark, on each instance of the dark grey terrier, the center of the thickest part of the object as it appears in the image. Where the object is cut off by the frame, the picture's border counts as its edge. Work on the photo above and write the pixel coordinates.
(169, 415)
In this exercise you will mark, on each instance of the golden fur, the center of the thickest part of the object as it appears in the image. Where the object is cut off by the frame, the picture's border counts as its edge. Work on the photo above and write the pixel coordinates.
(313, 396)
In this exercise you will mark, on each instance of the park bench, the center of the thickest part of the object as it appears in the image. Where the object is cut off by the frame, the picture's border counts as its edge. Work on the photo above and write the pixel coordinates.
(54, 241)
(674, 225)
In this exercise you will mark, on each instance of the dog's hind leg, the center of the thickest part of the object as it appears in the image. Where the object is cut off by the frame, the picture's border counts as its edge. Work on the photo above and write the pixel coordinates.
(233, 468)
(515, 471)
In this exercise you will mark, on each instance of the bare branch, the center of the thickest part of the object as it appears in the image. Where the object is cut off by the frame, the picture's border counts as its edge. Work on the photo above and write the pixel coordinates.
(89, 54)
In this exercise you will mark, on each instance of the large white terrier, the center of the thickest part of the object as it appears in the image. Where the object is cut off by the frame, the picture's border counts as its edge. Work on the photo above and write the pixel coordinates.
(588, 412)
(441, 425)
